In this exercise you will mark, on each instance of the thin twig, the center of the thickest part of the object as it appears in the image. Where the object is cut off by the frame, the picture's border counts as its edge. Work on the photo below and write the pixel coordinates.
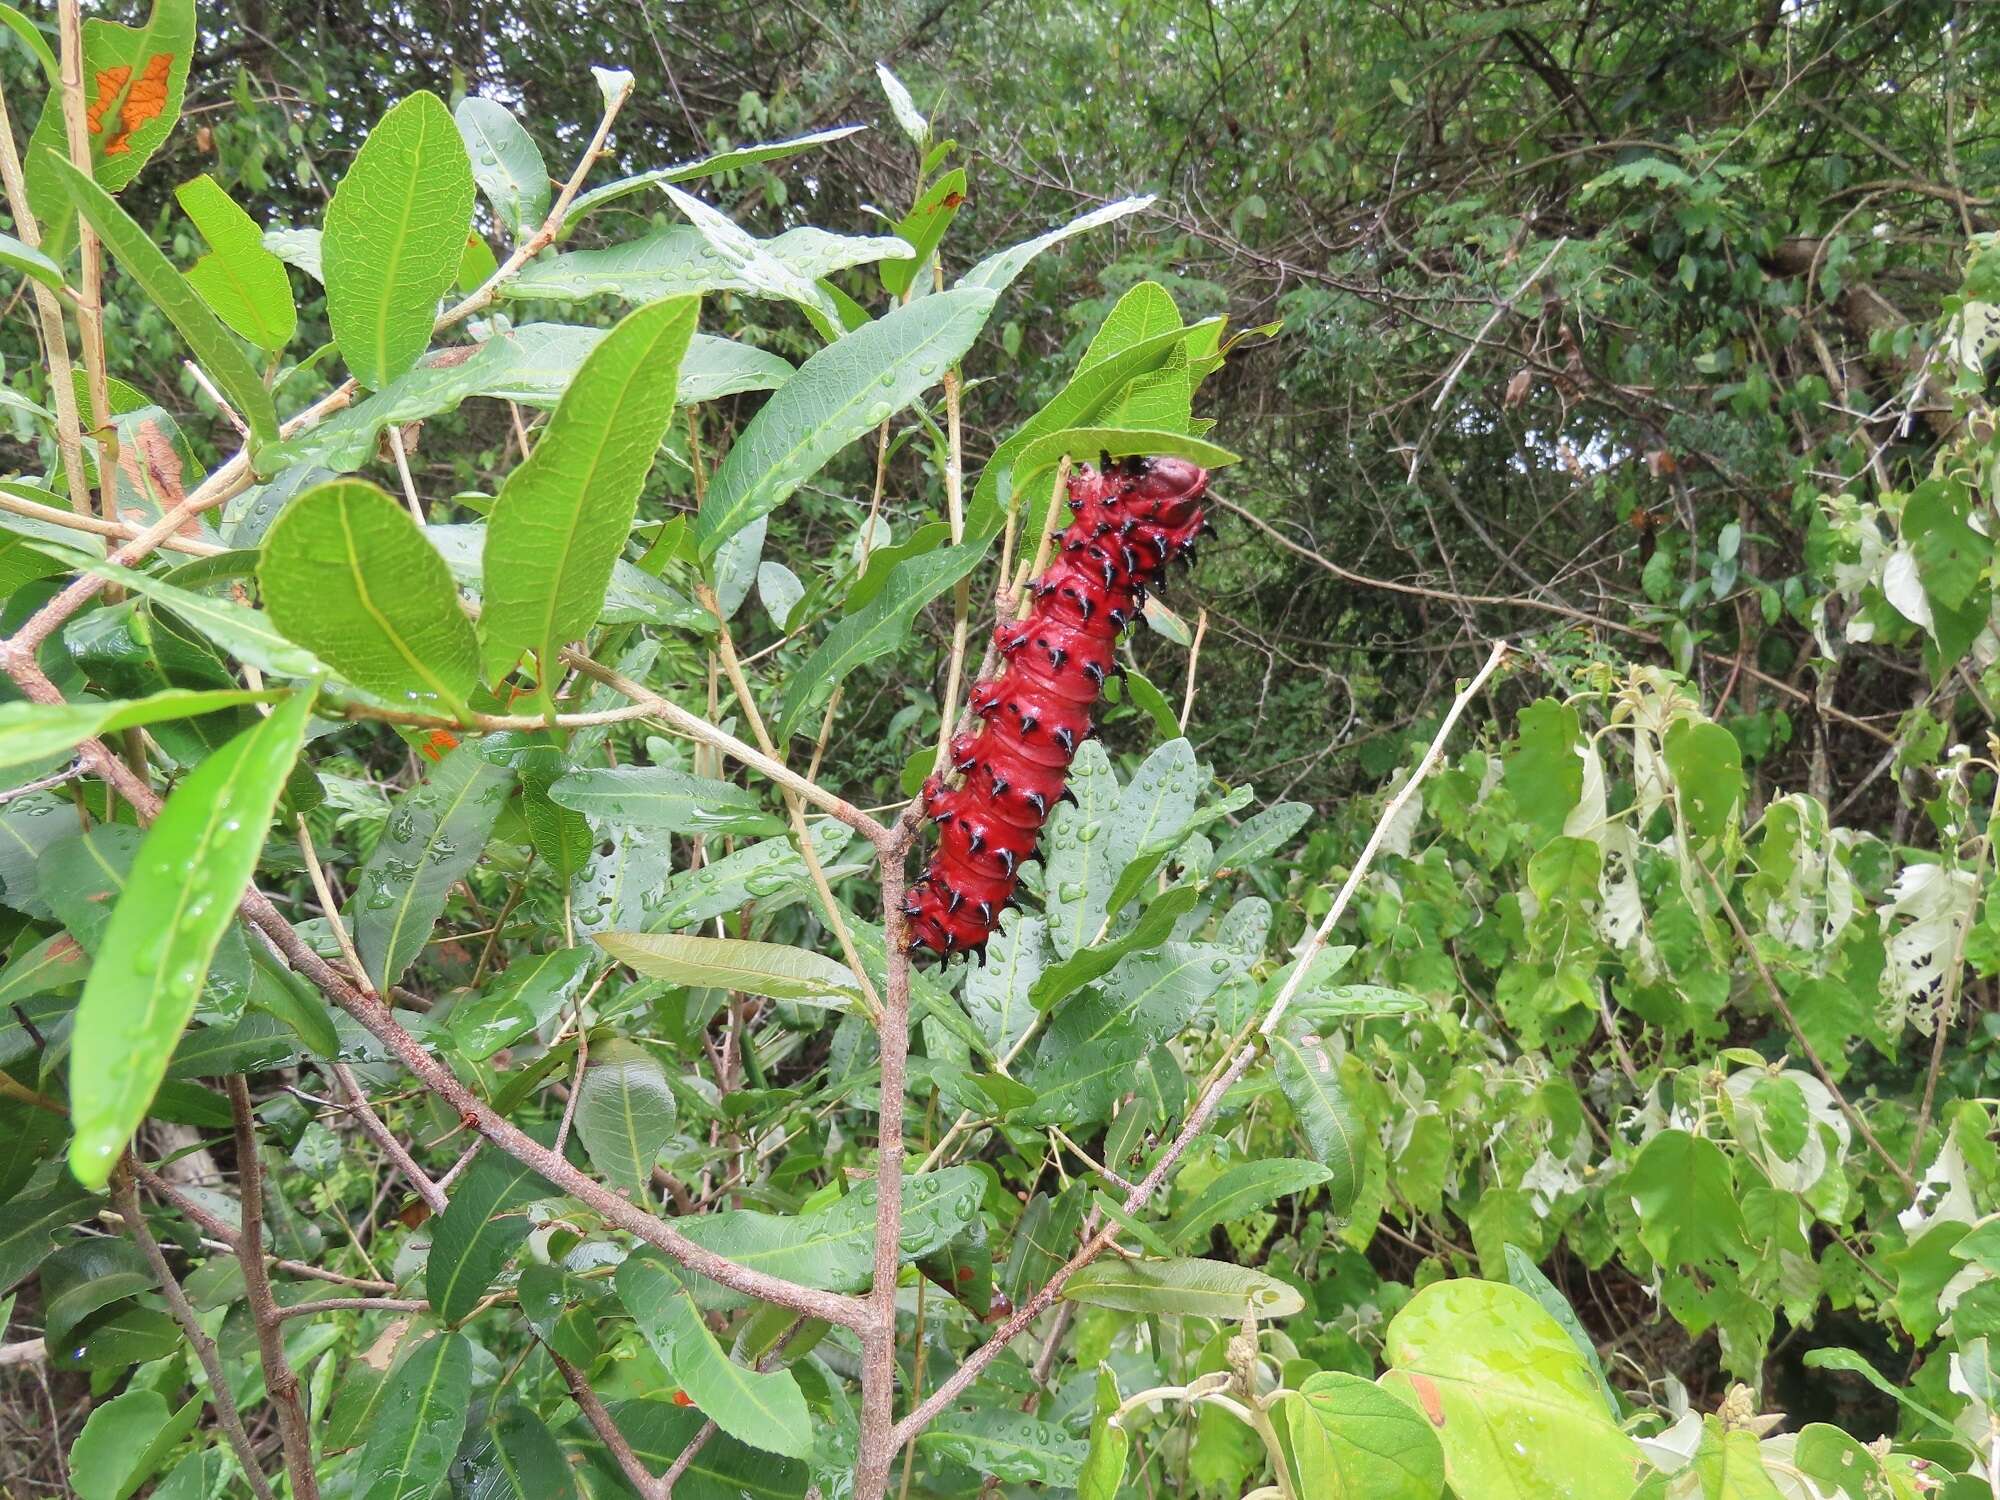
(125, 1199)
(607, 1431)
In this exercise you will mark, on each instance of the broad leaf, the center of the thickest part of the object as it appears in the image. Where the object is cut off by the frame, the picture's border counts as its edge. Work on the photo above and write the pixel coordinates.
(846, 390)
(1090, 963)
(1686, 1196)
(134, 79)
(883, 626)
(472, 1238)
(394, 233)
(506, 164)
(1240, 1190)
(625, 1113)
(346, 573)
(775, 970)
(1007, 1445)
(564, 514)
(1311, 1083)
(1513, 1405)
(192, 870)
(663, 798)
(1352, 1440)
(435, 833)
(241, 280)
(514, 1457)
(764, 1410)
(418, 1422)
(214, 347)
(1183, 1288)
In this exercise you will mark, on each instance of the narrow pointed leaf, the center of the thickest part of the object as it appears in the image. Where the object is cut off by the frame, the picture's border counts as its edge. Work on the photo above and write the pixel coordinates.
(347, 574)
(706, 166)
(775, 970)
(214, 346)
(664, 798)
(564, 514)
(1311, 1082)
(847, 389)
(192, 870)
(31, 732)
(1183, 1288)
(506, 163)
(1242, 1189)
(394, 233)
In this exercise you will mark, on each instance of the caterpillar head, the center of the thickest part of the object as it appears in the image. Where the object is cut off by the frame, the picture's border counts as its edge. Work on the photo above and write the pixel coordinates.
(1173, 486)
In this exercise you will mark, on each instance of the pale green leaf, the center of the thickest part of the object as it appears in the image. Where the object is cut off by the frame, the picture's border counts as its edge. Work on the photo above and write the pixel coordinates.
(774, 970)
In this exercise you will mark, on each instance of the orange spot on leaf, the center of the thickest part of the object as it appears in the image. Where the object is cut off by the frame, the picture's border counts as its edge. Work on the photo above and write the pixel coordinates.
(110, 84)
(440, 742)
(1428, 1398)
(682, 1398)
(143, 102)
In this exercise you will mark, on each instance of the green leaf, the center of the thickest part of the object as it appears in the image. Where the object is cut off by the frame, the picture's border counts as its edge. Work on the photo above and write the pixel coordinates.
(418, 1423)
(30, 37)
(346, 573)
(394, 233)
(472, 1238)
(242, 281)
(998, 993)
(846, 390)
(663, 798)
(506, 163)
(1524, 1274)
(1183, 1288)
(435, 834)
(1103, 1473)
(1544, 770)
(1352, 1440)
(31, 732)
(1010, 1446)
(532, 990)
(707, 166)
(1311, 1083)
(1088, 964)
(1077, 1085)
(904, 108)
(633, 596)
(134, 79)
(515, 1457)
(1089, 393)
(997, 272)
(883, 626)
(107, 1460)
(625, 1113)
(214, 347)
(766, 1411)
(1086, 444)
(923, 227)
(1144, 311)
(683, 261)
(660, 1431)
(1242, 1188)
(563, 516)
(192, 870)
(1261, 835)
(1513, 1404)
(1707, 767)
(1848, 1362)
(30, 263)
(1686, 1196)
(243, 632)
(770, 873)
(774, 970)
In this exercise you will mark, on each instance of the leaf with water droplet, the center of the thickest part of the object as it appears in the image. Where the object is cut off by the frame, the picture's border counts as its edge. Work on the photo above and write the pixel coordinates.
(125, 1031)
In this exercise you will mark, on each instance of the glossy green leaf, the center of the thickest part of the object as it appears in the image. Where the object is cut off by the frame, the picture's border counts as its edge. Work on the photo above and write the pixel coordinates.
(192, 870)
(1311, 1083)
(346, 573)
(479, 1229)
(663, 798)
(31, 263)
(625, 1112)
(766, 1411)
(107, 1459)
(515, 1457)
(245, 633)
(30, 37)
(923, 227)
(770, 873)
(506, 163)
(1241, 1189)
(997, 271)
(564, 514)
(31, 732)
(418, 1422)
(535, 987)
(660, 1431)
(998, 992)
(1008, 1445)
(394, 233)
(846, 390)
(135, 78)
(242, 281)
(1513, 1404)
(1183, 1288)
(1352, 1440)
(776, 970)
(1525, 1275)
(1103, 1473)
(213, 346)
(633, 596)
(436, 832)
(874, 631)
(32, 1220)
(682, 261)
(1090, 963)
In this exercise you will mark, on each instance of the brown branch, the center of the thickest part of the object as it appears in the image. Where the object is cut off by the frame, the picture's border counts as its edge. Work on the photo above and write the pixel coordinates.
(607, 1431)
(125, 1199)
(353, 1304)
(280, 1380)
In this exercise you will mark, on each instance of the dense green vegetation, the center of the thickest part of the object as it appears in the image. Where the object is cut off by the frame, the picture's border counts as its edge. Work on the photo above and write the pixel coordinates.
(1510, 1009)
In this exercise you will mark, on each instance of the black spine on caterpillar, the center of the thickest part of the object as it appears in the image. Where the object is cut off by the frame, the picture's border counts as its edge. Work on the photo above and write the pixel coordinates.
(1131, 519)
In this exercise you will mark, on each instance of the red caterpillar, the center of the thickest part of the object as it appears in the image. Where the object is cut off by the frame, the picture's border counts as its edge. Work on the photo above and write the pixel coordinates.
(1131, 520)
